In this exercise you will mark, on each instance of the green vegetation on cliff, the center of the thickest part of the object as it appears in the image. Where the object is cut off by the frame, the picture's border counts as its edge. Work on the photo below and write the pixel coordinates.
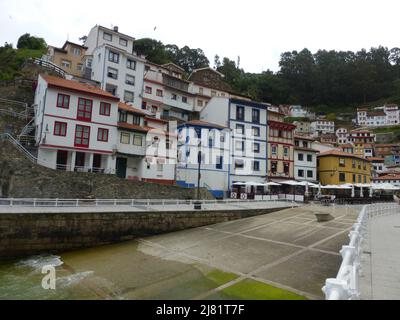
(11, 59)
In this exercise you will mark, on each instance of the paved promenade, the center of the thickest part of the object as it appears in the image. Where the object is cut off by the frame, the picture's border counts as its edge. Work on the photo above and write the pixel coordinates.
(287, 249)
(381, 259)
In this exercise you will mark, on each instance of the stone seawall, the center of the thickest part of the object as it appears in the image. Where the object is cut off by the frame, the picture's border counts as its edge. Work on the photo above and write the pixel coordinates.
(32, 233)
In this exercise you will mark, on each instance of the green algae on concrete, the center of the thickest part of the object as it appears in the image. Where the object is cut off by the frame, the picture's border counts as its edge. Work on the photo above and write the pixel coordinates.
(249, 289)
(220, 277)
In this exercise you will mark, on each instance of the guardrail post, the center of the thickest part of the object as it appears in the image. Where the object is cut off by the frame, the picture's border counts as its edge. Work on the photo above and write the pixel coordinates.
(56, 203)
(34, 202)
(336, 289)
(77, 202)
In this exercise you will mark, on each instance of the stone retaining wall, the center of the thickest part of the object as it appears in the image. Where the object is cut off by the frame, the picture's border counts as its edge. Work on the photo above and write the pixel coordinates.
(32, 233)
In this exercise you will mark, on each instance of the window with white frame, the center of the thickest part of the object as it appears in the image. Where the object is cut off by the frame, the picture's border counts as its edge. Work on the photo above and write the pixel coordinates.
(130, 80)
(129, 96)
(112, 73)
(66, 64)
(125, 137)
(131, 64)
(137, 140)
(274, 149)
(123, 42)
(107, 36)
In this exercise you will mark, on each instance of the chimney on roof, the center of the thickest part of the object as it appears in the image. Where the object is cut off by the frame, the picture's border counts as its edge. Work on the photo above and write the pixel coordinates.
(116, 28)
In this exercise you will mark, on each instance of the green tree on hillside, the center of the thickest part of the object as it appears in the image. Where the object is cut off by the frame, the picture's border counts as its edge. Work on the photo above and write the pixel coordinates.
(27, 41)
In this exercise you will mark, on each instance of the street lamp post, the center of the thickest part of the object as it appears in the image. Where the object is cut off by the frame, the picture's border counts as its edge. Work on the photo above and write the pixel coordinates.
(197, 204)
(198, 174)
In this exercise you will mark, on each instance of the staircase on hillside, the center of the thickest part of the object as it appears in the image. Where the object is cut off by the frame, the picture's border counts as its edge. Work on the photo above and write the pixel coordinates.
(27, 136)
(8, 137)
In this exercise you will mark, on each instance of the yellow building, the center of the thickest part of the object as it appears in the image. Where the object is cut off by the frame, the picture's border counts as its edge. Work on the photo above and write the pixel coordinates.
(338, 167)
(69, 57)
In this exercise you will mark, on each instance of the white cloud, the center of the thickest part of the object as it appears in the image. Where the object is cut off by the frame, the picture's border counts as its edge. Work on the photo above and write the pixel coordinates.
(257, 31)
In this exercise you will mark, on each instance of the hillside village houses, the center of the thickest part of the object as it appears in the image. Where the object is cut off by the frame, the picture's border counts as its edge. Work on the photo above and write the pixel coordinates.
(388, 115)
(319, 127)
(302, 127)
(342, 136)
(120, 114)
(69, 57)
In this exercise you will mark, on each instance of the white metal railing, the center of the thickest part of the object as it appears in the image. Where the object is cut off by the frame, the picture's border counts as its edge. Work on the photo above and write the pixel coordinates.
(55, 202)
(15, 108)
(346, 284)
(48, 65)
(27, 154)
(21, 115)
(27, 129)
(33, 159)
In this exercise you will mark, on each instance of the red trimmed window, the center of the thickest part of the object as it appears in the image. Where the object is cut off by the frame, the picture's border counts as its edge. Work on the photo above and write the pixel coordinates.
(82, 136)
(159, 93)
(102, 135)
(60, 129)
(63, 101)
(148, 90)
(84, 109)
(105, 108)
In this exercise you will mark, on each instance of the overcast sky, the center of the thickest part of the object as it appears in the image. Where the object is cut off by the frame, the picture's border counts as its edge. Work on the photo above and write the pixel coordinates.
(257, 31)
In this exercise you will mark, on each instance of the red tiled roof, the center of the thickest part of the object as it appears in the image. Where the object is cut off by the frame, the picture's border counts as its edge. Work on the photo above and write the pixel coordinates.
(156, 119)
(296, 136)
(340, 154)
(305, 149)
(204, 123)
(376, 159)
(128, 108)
(390, 176)
(136, 127)
(57, 82)
(347, 145)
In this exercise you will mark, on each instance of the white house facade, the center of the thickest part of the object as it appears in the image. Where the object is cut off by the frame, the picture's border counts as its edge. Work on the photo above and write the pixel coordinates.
(305, 160)
(214, 144)
(111, 61)
(341, 135)
(146, 150)
(322, 127)
(76, 126)
(247, 122)
(165, 92)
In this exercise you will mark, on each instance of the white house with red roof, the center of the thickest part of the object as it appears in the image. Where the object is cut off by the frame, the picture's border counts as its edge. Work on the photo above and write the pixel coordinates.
(146, 147)
(76, 126)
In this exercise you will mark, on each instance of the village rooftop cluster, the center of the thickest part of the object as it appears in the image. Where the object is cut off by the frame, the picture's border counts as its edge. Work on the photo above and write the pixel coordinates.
(112, 111)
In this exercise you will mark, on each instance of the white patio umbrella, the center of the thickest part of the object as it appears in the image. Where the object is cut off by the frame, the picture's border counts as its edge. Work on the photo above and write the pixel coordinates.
(353, 193)
(271, 184)
(319, 189)
(306, 191)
